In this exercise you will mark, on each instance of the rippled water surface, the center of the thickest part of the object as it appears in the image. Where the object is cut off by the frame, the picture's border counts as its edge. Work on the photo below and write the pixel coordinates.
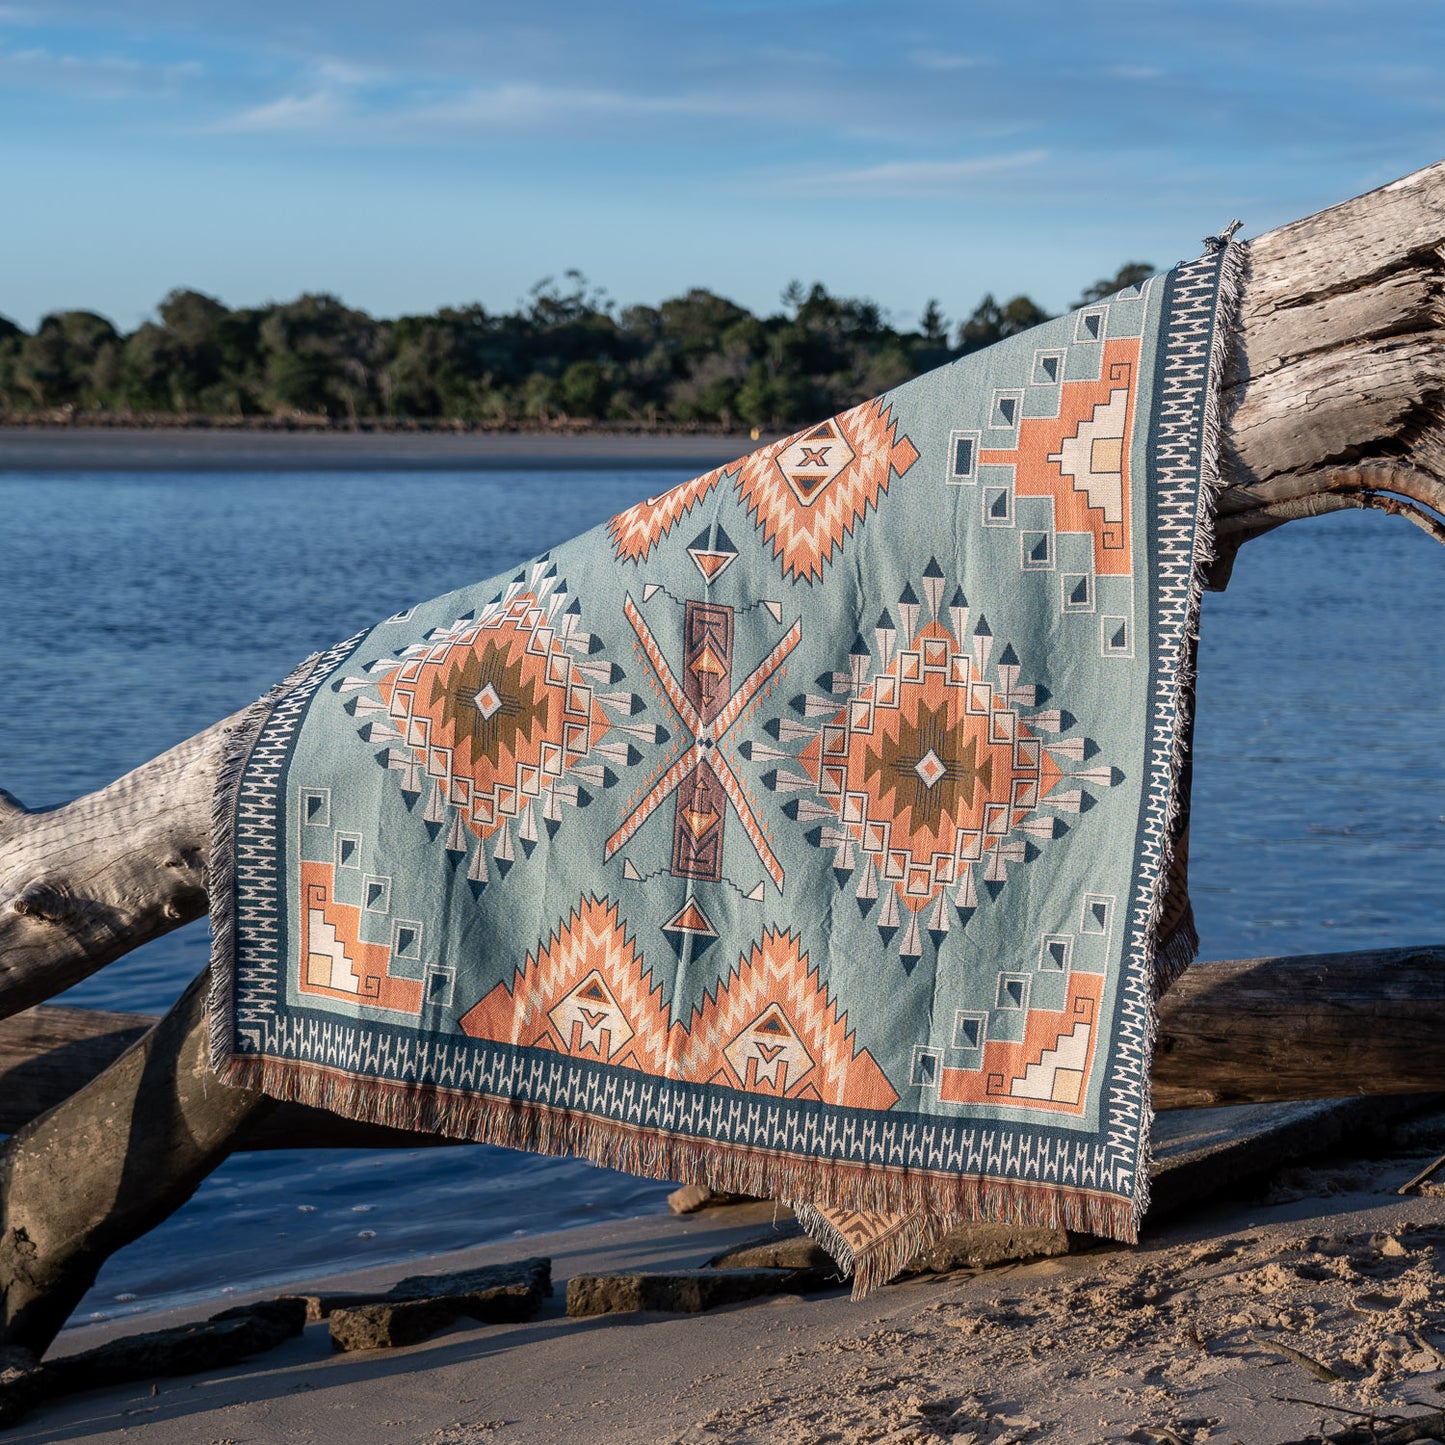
(140, 608)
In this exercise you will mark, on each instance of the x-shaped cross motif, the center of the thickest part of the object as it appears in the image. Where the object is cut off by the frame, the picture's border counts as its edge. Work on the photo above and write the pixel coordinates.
(701, 776)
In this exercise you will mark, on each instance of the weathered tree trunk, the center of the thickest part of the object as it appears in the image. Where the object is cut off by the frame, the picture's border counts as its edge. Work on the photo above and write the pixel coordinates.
(109, 1164)
(1334, 400)
(1322, 1026)
(82, 884)
(1258, 1031)
(51, 1051)
(1334, 385)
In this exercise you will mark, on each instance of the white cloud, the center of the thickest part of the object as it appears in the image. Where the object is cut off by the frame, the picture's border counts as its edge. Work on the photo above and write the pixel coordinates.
(523, 103)
(937, 177)
(335, 70)
(320, 109)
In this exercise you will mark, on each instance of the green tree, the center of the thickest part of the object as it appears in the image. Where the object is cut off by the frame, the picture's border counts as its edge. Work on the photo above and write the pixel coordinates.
(321, 356)
(991, 322)
(1131, 273)
(69, 361)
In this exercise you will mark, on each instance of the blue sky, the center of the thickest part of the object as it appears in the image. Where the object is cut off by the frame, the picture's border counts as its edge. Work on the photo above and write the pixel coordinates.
(410, 156)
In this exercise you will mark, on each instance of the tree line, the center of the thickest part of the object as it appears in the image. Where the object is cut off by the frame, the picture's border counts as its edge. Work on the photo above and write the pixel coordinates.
(567, 354)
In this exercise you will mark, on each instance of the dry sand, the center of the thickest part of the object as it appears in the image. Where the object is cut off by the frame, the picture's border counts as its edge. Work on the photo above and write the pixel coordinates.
(1257, 1322)
(138, 449)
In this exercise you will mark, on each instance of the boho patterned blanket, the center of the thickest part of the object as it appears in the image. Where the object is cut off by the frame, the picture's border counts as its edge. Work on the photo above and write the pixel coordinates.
(806, 831)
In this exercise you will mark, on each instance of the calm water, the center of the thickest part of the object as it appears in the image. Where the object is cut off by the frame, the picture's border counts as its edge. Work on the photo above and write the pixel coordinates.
(140, 608)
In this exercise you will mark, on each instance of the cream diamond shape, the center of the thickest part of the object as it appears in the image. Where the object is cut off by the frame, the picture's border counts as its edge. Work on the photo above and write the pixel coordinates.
(811, 462)
(930, 768)
(488, 701)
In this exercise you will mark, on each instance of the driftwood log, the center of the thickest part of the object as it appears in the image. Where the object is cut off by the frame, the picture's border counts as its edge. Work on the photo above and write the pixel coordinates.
(1334, 392)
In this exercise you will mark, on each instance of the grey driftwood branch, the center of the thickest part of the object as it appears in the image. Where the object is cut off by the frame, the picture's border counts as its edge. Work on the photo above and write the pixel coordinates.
(1334, 390)
(1335, 380)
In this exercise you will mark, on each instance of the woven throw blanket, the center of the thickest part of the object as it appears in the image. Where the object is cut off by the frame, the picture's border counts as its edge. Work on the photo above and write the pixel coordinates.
(805, 831)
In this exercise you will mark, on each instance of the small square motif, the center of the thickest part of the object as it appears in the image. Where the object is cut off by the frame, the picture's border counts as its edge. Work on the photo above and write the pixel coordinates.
(969, 1029)
(405, 939)
(1048, 368)
(963, 449)
(1077, 589)
(1116, 637)
(998, 507)
(1036, 551)
(927, 1069)
(1098, 914)
(1056, 952)
(1013, 991)
(316, 807)
(376, 893)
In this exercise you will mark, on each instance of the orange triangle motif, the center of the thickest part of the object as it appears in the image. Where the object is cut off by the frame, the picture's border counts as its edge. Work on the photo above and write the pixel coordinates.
(707, 662)
(691, 919)
(711, 564)
(697, 822)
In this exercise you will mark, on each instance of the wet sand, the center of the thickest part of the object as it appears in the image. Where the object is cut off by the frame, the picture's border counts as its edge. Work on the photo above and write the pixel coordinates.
(124, 449)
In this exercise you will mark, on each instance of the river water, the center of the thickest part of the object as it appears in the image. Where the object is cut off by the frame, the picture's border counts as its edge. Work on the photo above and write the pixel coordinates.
(138, 608)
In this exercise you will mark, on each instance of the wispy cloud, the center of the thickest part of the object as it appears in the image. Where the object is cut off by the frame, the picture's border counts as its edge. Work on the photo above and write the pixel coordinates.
(98, 77)
(318, 110)
(527, 104)
(360, 103)
(918, 178)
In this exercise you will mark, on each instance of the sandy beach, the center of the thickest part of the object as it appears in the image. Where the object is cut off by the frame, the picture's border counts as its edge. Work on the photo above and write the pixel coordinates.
(1297, 1311)
(126, 449)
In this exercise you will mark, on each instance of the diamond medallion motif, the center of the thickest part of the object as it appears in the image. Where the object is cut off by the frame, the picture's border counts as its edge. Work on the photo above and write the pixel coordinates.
(933, 768)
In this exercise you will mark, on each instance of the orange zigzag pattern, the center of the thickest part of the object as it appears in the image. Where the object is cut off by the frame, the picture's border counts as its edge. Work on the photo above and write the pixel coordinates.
(806, 515)
(640, 528)
(770, 1027)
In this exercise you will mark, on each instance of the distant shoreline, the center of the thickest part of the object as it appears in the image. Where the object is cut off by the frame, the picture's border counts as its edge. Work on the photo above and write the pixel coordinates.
(56, 449)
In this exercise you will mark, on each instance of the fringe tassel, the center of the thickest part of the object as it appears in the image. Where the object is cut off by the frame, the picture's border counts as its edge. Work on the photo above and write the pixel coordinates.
(221, 862)
(935, 1202)
(882, 1261)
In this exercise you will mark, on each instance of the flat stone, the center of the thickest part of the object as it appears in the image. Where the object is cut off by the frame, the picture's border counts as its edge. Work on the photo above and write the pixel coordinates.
(390, 1325)
(1199, 1154)
(321, 1306)
(684, 1291)
(417, 1307)
(692, 1197)
(978, 1246)
(481, 1285)
(222, 1340)
(20, 1384)
(813, 1267)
